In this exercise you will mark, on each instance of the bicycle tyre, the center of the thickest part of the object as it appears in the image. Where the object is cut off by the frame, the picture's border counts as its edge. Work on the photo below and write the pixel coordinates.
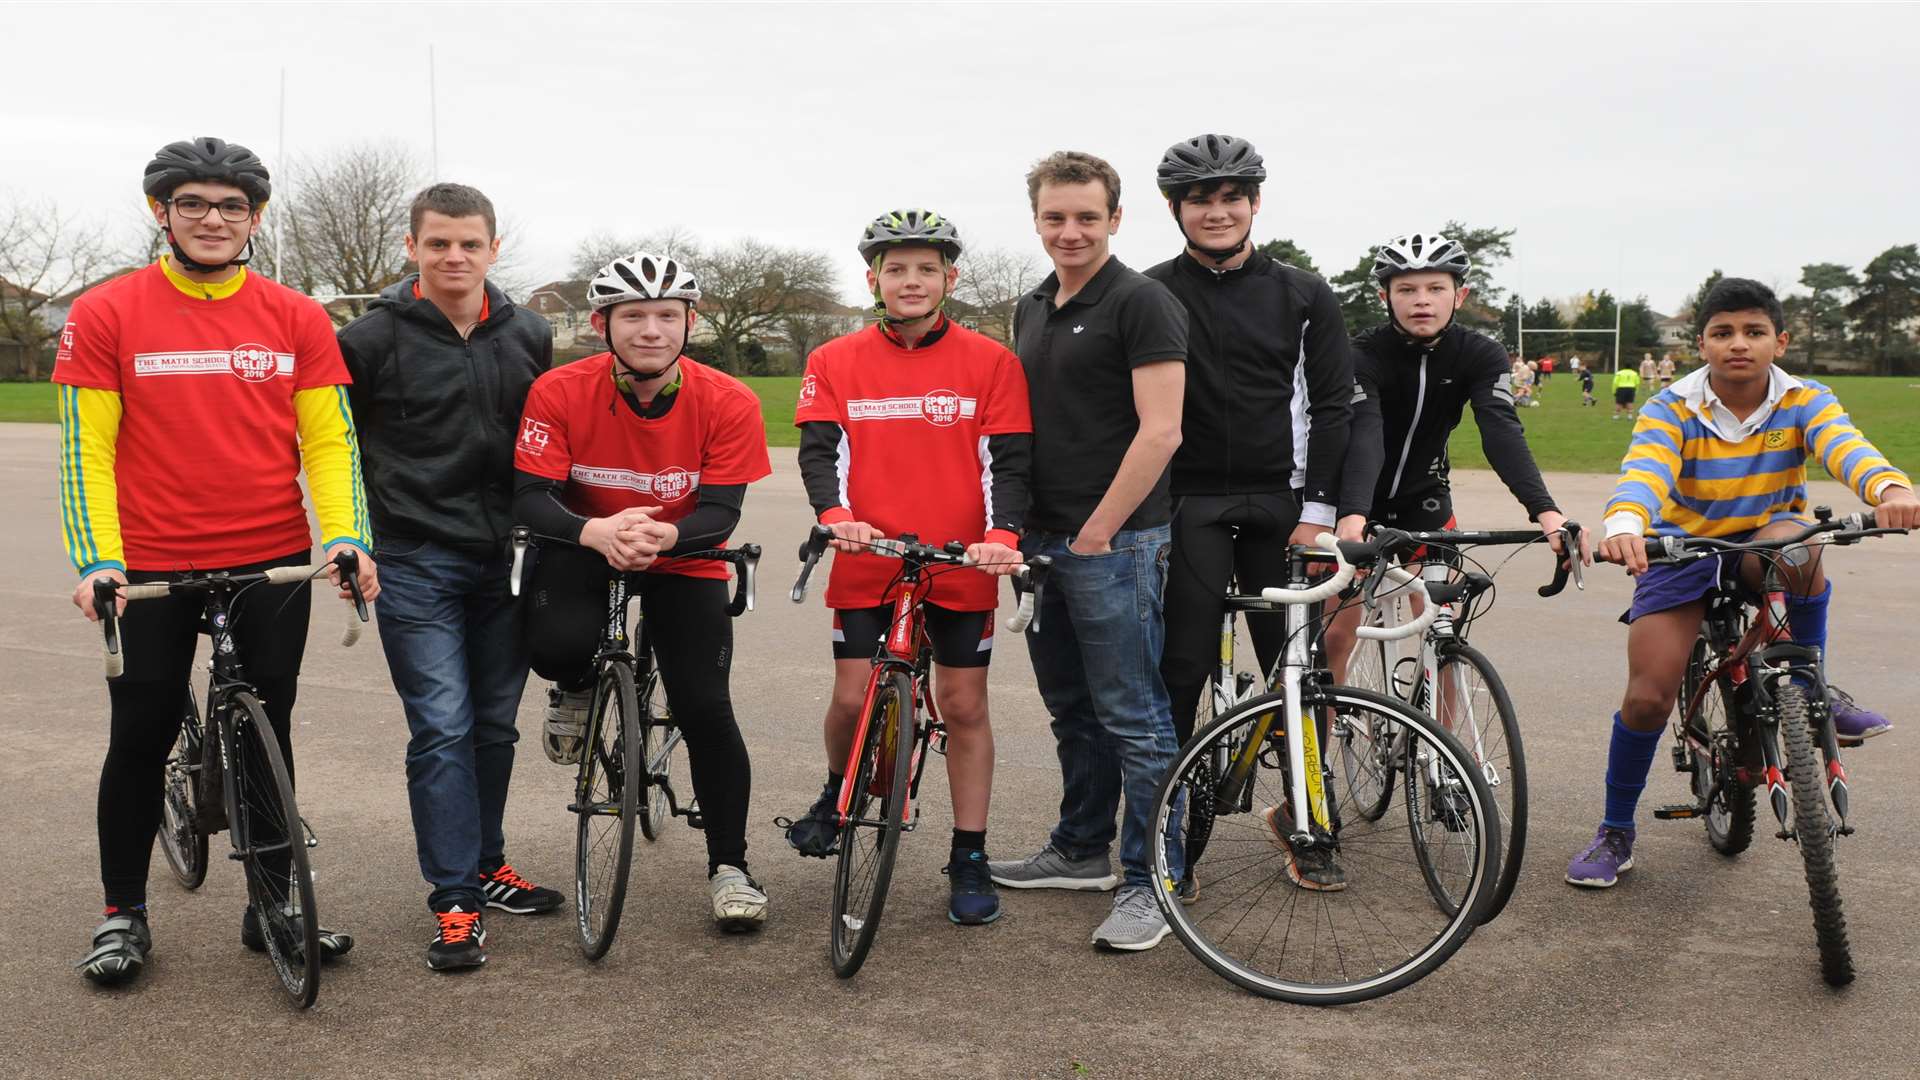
(181, 840)
(1507, 759)
(263, 805)
(655, 726)
(1379, 889)
(862, 874)
(1729, 810)
(1813, 829)
(606, 807)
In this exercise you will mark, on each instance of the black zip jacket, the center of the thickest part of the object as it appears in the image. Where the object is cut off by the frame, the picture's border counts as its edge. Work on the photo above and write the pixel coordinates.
(1423, 389)
(1269, 380)
(437, 414)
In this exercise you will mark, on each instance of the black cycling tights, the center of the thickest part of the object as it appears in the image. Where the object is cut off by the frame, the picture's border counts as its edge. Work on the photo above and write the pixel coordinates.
(1217, 538)
(692, 638)
(158, 637)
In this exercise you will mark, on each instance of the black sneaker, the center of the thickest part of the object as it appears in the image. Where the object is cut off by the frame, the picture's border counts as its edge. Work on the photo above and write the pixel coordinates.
(971, 898)
(333, 943)
(508, 891)
(460, 942)
(816, 834)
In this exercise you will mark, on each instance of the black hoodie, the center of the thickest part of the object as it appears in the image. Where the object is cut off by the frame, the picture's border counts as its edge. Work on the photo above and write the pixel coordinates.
(437, 414)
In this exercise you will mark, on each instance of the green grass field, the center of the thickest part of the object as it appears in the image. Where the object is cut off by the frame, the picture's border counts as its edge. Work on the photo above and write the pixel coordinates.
(1565, 436)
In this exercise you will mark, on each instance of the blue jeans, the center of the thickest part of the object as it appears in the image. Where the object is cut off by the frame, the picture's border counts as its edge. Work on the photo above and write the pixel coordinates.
(452, 637)
(1096, 657)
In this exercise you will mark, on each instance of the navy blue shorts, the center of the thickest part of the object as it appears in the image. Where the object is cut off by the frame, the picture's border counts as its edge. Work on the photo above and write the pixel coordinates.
(1665, 586)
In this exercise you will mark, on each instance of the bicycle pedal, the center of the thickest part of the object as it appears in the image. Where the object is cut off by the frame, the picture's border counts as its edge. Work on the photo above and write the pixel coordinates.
(695, 821)
(1677, 811)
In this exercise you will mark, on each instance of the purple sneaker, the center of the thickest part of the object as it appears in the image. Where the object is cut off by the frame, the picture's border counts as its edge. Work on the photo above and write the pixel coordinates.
(1600, 865)
(1853, 725)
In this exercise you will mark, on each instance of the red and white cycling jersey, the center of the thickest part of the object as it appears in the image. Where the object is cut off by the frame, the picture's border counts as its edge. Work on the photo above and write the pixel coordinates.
(913, 450)
(575, 429)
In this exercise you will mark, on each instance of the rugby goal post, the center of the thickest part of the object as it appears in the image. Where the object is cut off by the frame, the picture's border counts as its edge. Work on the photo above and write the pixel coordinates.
(1520, 326)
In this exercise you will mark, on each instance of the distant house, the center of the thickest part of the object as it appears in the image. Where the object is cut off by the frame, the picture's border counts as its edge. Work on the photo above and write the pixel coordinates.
(1674, 331)
(562, 303)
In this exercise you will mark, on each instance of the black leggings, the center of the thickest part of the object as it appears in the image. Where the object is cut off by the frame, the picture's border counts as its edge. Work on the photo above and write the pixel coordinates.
(158, 638)
(686, 623)
(1215, 539)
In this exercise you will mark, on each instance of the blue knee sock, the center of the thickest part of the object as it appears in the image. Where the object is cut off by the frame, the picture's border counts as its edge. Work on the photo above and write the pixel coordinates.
(1807, 622)
(1628, 760)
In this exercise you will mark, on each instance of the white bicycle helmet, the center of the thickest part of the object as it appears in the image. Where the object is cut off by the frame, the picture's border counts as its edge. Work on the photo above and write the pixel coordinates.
(1417, 252)
(641, 276)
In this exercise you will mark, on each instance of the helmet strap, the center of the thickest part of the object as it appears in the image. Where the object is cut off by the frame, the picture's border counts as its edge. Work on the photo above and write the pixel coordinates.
(187, 262)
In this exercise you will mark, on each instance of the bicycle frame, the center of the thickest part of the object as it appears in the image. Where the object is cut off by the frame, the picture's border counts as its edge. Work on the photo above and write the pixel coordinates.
(906, 638)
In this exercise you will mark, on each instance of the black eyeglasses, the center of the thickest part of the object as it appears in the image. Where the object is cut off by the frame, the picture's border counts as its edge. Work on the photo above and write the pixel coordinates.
(193, 208)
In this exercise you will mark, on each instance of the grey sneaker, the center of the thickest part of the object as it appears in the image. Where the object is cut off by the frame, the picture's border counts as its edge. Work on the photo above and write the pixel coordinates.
(564, 734)
(1048, 869)
(1134, 924)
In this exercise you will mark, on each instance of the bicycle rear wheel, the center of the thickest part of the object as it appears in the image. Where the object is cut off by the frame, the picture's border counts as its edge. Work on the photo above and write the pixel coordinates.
(1381, 930)
(1367, 758)
(656, 726)
(1713, 772)
(1813, 829)
(606, 806)
(870, 836)
(1475, 707)
(270, 843)
(181, 840)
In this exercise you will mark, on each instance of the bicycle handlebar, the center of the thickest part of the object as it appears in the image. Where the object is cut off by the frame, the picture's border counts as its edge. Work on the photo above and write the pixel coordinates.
(1379, 551)
(105, 592)
(1844, 530)
(746, 557)
(1568, 566)
(1029, 581)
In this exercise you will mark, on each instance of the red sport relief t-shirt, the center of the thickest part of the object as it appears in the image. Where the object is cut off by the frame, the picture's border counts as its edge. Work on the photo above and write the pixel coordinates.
(575, 429)
(207, 463)
(913, 450)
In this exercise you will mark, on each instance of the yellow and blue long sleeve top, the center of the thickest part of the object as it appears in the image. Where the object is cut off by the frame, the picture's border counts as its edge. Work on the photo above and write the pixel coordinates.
(1694, 469)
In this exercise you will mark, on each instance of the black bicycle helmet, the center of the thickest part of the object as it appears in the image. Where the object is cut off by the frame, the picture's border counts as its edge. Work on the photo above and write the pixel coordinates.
(211, 159)
(1210, 157)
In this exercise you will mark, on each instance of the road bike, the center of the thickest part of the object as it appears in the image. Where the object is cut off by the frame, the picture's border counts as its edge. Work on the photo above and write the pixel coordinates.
(1753, 708)
(1297, 896)
(898, 722)
(1440, 674)
(230, 774)
(632, 747)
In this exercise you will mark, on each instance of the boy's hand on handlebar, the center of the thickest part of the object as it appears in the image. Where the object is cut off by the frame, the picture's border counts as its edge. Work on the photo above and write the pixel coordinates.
(1898, 509)
(1551, 523)
(83, 593)
(368, 575)
(994, 558)
(1626, 549)
(1352, 528)
(623, 552)
(853, 535)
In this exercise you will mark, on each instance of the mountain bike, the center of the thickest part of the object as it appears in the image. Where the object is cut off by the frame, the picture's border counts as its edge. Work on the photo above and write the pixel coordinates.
(1404, 899)
(631, 748)
(1450, 680)
(1753, 706)
(898, 722)
(230, 775)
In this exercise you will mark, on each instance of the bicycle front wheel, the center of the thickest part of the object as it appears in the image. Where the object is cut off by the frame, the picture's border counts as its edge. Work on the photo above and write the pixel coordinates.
(181, 840)
(1285, 925)
(606, 804)
(1475, 706)
(1813, 829)
(1712, 771)
(270, 843)
(870, 835)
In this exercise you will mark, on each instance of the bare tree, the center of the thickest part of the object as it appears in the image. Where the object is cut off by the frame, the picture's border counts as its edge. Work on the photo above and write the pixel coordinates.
(749, 287)
(45, 255)
(344, 220)
(991, 283)
(601, 248)
(806, 331)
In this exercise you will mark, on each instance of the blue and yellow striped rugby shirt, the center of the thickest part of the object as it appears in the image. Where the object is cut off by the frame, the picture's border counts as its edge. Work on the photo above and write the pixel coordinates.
(1695, 470)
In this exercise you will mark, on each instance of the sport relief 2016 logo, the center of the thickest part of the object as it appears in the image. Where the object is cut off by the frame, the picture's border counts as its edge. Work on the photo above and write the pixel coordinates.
(254, 363)
(941, 407)
(672, 484)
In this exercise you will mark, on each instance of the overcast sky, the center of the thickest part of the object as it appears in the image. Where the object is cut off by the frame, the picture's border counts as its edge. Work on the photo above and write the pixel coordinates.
(1633, 147)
